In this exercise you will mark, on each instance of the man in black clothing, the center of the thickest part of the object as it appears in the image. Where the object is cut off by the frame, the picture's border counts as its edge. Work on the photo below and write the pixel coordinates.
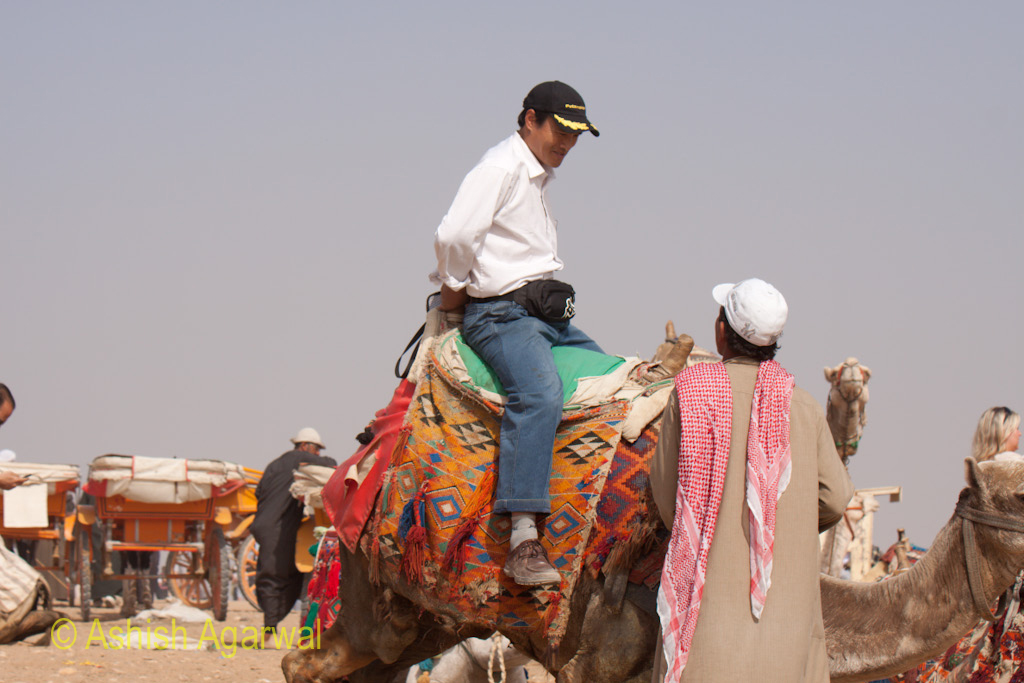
(276, 526)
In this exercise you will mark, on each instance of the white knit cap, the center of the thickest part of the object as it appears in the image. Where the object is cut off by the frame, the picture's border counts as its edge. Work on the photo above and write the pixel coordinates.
(755, 309)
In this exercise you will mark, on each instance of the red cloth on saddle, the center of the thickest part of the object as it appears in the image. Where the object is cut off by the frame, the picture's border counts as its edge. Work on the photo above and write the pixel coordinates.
(349, 505)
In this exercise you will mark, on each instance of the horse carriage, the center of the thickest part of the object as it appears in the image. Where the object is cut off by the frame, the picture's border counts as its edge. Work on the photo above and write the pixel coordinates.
(143, 505)
(43, 510)
(194, 590)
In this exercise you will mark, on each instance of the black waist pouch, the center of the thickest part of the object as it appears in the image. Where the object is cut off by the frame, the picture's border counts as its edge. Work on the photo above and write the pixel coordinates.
(550, 300)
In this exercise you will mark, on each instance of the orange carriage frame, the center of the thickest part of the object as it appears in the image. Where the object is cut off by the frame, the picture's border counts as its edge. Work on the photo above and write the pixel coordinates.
(195, 531)
(208, 542)
(60, 530)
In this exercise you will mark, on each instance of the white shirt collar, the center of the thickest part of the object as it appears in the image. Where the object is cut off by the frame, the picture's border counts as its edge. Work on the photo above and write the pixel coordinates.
(533, 165)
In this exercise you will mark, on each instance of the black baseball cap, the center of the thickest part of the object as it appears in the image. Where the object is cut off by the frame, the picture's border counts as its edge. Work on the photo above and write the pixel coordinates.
(562, 102)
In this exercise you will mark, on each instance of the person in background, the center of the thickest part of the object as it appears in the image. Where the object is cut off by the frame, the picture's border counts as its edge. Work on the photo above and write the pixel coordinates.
(21, 586)
(997, 435)
(276, 526)
(8, 479)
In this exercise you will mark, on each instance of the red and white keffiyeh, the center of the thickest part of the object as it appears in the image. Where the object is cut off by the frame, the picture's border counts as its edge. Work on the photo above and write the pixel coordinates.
(705, 408)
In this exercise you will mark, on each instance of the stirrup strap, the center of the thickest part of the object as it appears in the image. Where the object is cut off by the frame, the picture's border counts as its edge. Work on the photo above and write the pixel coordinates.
(414, 343)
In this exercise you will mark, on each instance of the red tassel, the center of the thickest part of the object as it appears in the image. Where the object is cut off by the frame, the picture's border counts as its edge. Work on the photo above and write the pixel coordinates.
(375, 561)
(552, 612)
(456, 552)
(602, 551)
(454, 559)
(333, 581)
(412, 558)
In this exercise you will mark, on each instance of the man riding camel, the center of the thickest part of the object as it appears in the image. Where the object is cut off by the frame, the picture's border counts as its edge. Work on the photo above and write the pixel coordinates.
(497, 253)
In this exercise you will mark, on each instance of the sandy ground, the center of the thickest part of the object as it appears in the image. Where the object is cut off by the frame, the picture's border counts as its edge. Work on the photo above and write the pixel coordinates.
(78, 652)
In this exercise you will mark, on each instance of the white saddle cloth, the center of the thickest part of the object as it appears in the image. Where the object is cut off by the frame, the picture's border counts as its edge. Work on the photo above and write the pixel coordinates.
(162, 480)
(308, 485)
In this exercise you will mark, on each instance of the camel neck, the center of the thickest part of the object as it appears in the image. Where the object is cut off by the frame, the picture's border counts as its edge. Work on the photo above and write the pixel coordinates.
(922, 611)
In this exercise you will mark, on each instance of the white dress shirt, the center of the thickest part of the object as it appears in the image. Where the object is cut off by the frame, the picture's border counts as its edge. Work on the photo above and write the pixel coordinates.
(498, 233)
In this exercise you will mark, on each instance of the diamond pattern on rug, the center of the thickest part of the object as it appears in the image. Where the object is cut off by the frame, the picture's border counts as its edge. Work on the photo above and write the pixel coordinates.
(580, 450)
(446, 507)
(564, 522)
(474, 436)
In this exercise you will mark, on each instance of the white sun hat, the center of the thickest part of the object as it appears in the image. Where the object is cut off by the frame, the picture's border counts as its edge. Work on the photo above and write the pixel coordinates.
(755, 310)
(308, 435)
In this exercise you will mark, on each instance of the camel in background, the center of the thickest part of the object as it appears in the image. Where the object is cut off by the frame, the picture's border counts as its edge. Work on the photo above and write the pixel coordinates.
(844, 409)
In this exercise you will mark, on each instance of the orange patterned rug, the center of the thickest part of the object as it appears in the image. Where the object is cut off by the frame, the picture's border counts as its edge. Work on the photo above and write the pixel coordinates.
(434, 528)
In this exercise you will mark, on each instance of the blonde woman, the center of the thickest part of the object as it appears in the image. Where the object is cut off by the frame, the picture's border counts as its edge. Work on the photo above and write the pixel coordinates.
(997, 435)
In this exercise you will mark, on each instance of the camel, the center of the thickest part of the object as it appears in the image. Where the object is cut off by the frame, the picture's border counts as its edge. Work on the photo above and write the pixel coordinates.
(26, 620)
(845, 405)
(846, 417)
(875, 630)
(872, 630)
(477, 660)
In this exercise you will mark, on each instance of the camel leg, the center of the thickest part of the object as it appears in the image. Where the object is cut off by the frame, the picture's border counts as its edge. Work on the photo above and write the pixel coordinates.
(31, 624)
(616, 646)
(335, 658)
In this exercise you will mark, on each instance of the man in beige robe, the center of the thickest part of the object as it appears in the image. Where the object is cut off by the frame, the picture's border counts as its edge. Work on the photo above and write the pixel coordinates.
(787, 644)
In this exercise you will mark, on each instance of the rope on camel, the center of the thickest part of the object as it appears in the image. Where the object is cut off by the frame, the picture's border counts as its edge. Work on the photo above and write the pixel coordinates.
(496, 651)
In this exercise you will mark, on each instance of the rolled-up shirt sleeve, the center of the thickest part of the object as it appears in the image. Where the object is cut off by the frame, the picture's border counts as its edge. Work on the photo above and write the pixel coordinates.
(464, 228)
(834, 486)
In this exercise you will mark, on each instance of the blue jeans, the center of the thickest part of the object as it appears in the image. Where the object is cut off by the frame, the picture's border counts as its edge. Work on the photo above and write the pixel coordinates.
(517, 346)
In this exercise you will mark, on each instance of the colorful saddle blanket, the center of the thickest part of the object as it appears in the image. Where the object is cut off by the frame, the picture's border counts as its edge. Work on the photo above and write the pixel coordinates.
(589, 379)
(434, 527)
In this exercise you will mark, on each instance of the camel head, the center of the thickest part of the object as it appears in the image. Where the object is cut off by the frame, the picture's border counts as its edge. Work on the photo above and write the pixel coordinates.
(671, 356)
(874, 630)
(996, 489)
(850, 379)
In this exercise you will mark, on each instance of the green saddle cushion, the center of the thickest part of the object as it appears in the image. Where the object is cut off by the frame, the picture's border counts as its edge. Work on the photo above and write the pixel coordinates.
(572, 363)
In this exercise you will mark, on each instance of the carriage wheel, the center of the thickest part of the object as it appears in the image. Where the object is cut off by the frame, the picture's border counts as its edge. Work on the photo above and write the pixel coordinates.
(219, 563)
(193, 591)
(85, 570)
(248, 553)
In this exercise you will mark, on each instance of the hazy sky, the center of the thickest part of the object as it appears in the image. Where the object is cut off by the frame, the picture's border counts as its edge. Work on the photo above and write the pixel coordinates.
(217, 218)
